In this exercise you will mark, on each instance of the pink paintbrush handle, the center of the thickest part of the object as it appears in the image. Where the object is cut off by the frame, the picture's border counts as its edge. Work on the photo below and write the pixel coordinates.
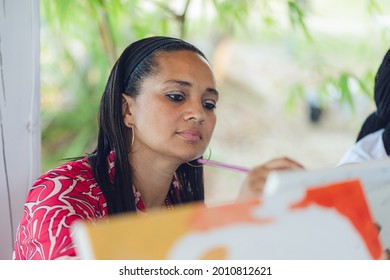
(224, 165)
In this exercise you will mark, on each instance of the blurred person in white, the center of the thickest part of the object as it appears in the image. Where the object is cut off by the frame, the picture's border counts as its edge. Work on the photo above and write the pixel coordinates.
(373, 141)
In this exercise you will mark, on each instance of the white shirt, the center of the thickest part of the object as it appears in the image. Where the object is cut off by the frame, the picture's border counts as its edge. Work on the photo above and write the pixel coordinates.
(369, 147)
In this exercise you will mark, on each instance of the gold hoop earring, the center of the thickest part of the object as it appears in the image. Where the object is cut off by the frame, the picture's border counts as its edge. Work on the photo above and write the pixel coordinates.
(132, 136)
(200, 165)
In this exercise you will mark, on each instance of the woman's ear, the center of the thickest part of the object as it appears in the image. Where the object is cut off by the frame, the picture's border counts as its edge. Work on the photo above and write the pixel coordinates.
(128, 118)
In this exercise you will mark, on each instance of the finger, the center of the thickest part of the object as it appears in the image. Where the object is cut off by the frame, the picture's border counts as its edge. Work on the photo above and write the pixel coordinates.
(258, 175)
(283, 163)
(256, 178)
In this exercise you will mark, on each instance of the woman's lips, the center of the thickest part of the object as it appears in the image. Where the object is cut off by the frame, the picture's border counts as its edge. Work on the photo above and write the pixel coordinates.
(190, 135)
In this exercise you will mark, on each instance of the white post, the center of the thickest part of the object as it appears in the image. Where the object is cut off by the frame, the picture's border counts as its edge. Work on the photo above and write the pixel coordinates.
(20, 144)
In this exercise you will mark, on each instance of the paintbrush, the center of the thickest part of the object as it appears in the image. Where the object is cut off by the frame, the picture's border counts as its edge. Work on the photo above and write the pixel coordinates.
(224, 165)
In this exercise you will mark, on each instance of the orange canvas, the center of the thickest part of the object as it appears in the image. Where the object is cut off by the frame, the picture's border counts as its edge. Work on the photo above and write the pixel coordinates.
(327, 222)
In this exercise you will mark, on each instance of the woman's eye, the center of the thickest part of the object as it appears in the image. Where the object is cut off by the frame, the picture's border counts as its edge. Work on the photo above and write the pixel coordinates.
(175, 97)
(209, 105)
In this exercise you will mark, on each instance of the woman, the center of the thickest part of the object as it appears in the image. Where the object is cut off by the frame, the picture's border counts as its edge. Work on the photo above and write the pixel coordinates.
(156, 117)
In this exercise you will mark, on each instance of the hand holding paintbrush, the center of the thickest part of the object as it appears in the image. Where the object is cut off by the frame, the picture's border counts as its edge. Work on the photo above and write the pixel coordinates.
(254, 182)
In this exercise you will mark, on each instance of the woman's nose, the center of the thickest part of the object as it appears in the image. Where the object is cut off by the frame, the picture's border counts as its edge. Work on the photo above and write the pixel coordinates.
(195, 112)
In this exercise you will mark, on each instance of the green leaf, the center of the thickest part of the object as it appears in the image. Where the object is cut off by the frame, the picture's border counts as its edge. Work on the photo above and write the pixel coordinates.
(297, 18)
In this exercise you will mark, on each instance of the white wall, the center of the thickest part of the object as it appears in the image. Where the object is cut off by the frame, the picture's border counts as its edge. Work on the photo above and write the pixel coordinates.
(19, 112)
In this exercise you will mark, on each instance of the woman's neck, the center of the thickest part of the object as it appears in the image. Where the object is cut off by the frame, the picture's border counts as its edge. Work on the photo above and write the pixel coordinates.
(152, 178)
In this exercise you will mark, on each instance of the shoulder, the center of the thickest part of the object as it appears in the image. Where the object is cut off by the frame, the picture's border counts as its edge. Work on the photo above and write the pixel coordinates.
(78, 170)
(70, 174)
(69, 185)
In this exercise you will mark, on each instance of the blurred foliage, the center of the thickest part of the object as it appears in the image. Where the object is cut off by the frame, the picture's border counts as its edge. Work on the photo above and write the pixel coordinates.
(81, 40)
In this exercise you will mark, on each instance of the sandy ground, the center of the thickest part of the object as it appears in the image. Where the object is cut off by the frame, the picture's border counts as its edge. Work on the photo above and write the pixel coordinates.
(254, 124)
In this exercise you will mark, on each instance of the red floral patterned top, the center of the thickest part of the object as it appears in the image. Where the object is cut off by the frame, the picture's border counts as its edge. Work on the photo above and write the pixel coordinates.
(56, 199)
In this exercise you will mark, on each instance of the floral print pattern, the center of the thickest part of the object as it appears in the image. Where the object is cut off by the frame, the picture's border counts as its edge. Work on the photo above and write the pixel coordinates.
(55, 201)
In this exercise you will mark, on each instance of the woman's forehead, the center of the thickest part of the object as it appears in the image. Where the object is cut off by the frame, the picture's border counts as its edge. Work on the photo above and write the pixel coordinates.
(182, 67)
(183, 61)
(184, 56)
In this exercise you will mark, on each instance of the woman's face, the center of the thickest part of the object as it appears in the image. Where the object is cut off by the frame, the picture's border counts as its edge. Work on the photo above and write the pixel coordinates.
(174, 114)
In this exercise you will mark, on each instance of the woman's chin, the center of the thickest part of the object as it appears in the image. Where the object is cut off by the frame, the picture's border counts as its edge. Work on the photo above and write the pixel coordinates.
(192, 157)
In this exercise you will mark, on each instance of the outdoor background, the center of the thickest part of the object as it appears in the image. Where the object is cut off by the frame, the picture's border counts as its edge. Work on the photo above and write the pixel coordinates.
(296, 77)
